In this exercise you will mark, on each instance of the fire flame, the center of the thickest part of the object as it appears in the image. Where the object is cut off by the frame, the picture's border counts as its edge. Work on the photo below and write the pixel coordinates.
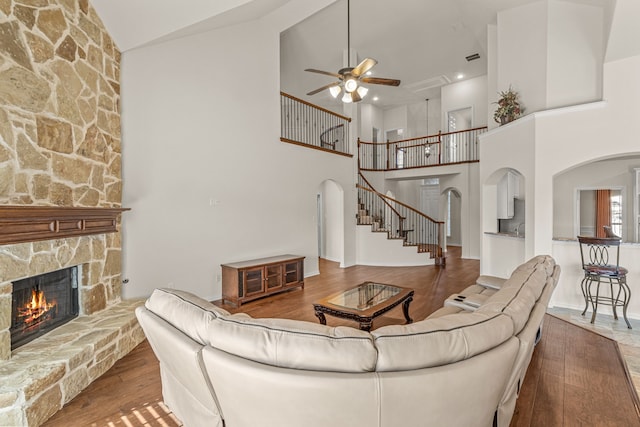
(36, 308)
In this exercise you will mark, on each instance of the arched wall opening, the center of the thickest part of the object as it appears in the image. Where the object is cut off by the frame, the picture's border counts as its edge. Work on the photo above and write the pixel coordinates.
(573, 215)
(504, 226)
(451, 212)
(574, 205)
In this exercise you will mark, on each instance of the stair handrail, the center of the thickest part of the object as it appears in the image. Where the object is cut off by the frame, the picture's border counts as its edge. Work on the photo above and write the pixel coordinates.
(360, 175)
(433, 246)
(400, 203)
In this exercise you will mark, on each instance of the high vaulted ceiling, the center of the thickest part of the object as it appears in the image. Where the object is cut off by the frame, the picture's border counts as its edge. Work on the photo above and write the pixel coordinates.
(421, 42)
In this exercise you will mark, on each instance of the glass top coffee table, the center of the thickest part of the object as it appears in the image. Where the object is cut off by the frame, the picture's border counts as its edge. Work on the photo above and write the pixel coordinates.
(364, 303)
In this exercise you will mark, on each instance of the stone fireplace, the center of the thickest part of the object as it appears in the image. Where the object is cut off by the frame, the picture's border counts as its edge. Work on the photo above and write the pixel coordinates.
(60, 147)
(39, 377)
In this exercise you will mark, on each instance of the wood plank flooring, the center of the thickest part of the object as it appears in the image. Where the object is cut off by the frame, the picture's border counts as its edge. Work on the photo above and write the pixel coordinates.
(576, 377)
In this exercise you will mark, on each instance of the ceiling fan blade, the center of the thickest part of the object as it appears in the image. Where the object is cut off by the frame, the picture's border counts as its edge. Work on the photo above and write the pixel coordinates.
(311, 70)
(320, 89)
(380, 81)
(355, 96)
(364, 66)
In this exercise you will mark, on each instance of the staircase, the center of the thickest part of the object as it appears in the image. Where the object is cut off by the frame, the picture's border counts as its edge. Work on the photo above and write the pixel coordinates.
(400, 222)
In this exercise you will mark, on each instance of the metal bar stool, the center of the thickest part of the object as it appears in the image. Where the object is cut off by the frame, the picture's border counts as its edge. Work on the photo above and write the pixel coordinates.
(594, 252)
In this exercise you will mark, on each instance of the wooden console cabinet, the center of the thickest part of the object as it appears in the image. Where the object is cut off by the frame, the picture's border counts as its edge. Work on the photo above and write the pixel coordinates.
(247, 280)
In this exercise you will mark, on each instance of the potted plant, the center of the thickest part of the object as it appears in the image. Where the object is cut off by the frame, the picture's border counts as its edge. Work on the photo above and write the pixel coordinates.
(508, 107)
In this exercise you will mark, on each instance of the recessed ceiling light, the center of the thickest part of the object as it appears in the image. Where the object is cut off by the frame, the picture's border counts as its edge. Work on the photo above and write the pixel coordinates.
(375, 98)
(368, 73)
(459, 76)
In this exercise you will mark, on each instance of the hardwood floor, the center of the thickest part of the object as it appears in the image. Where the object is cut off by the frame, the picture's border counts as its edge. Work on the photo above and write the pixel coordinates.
(576, 377)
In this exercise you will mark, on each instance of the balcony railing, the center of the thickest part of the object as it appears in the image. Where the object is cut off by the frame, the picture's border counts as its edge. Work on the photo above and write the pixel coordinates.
(400, 221)
(306, 124)
(434, 150)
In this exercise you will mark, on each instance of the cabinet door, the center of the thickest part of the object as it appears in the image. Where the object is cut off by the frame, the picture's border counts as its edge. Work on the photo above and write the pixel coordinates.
(253, 281)
(273, 277)
(505, 196)
(292, 273)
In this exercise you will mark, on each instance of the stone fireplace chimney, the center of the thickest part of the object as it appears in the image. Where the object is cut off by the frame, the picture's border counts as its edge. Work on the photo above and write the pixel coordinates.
(60, 146)
(60, 139)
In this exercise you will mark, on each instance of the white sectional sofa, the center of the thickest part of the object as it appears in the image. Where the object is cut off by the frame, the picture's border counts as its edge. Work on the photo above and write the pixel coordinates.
(459, 367)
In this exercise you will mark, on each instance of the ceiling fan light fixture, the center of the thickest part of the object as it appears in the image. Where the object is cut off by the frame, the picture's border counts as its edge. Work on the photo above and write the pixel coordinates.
(350, 85)
(349, 78)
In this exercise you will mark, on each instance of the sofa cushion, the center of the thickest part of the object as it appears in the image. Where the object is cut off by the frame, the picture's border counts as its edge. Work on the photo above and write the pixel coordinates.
(476, 289)
(547, 262)
(518, 296)
(439, 340)
(185, 311)
(534, 279)
(294, 344)
(445, 310)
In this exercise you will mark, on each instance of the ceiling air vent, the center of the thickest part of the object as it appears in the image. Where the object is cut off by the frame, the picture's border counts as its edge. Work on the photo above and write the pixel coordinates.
(472, 57)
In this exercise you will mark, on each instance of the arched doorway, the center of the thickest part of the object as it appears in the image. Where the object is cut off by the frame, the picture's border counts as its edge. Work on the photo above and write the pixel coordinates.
(505, 234)
(452, 205)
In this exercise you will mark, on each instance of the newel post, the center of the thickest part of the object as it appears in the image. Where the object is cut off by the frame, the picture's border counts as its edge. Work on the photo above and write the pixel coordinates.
(440, 147)
(387, 154)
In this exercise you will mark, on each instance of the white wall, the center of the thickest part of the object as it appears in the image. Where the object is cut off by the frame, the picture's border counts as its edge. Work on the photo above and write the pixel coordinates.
(417, 118)
(374, 248)
(371, 117)
(408, 192)
(492, 74)
(551, 52)
(522, 53)
(204, 171)
(621, 25)
(396, 118)
(575, 53)
(467, 93)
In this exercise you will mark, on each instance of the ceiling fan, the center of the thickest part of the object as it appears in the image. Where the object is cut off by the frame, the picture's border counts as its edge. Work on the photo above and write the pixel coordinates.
(349, 78)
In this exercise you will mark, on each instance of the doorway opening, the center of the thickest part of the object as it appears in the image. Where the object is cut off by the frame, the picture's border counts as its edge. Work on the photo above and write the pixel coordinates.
(453, 214)
(330, 217)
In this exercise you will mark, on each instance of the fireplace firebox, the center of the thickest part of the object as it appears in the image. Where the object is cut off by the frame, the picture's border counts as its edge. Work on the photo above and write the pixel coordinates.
(41, 303)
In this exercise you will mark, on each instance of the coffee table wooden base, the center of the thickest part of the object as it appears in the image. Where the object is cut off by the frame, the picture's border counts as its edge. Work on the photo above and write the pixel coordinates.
(365, 321)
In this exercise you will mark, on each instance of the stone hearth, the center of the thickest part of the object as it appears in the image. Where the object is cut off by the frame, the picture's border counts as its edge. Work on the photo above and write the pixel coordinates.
(49, 371)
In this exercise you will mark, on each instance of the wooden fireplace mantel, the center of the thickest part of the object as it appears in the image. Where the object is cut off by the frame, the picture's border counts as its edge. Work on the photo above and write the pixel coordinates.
(28, 223)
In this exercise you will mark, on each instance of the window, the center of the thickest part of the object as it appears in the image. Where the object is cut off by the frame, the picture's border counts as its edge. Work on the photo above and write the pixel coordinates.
(616, 213)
